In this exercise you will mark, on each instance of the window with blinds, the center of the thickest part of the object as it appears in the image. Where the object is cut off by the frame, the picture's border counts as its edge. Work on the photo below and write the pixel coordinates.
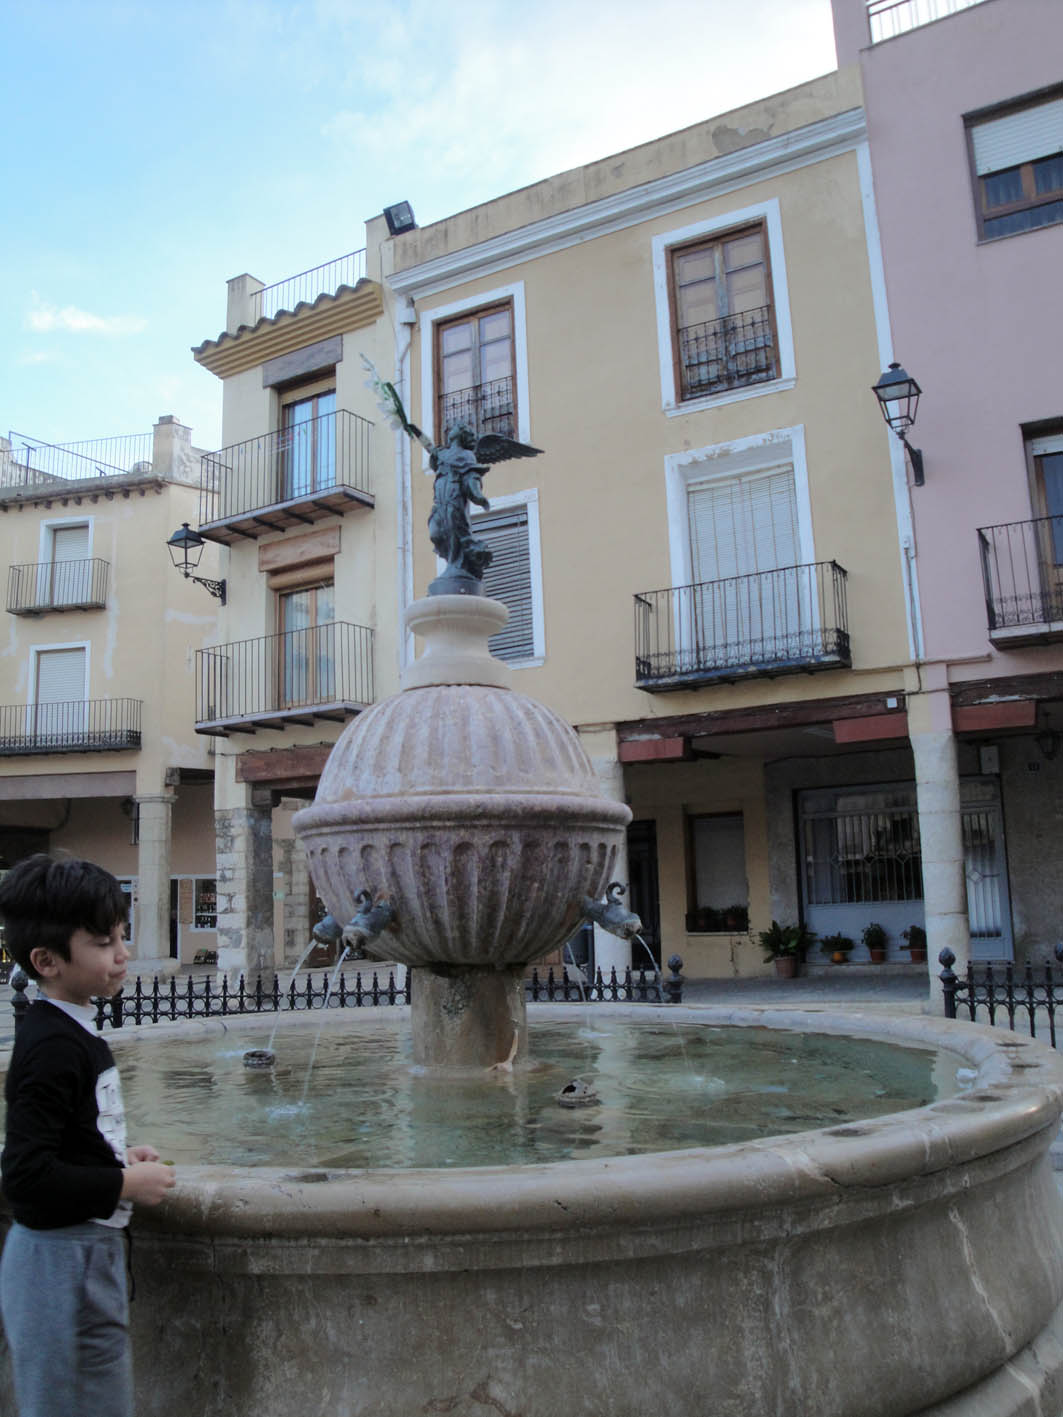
(60, 709)
(749, 600)
(65, 578)
(1017, 154)
(508, 578)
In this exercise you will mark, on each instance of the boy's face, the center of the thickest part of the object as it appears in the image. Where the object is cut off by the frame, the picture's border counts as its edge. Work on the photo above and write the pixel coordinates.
(96, 967)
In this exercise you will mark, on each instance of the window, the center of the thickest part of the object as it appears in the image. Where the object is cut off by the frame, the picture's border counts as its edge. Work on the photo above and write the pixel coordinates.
(205, 911)
(719, 893)
(63, 573)
(475, 374)
(308, 444)
(722, 313)
(511, 530)
(307, 664)
(59, 711)
(1017, 154)
(861, 846)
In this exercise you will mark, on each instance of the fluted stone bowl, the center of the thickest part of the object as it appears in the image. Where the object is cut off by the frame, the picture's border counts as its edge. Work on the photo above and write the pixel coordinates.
(476, 812)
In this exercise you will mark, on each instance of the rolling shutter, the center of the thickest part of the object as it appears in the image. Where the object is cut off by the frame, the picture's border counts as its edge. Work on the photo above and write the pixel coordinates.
(1020, 137)
(508, 578)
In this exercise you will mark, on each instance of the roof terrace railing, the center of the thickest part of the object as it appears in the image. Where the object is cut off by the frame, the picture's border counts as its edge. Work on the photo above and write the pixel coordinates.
(32, 462)
(889, 18)
(308, 285)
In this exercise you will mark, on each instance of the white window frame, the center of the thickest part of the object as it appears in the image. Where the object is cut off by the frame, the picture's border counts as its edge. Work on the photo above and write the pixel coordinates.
(47, 538)
(437, 314)
(529, 499)
(768, 213)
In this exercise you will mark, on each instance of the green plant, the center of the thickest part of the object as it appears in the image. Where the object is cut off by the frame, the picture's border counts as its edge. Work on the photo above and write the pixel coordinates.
(875, 936)
(785, 940)
(836, 944)
(914, 938)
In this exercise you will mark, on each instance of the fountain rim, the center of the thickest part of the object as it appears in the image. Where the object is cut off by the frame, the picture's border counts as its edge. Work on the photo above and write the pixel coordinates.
(1006, 1107)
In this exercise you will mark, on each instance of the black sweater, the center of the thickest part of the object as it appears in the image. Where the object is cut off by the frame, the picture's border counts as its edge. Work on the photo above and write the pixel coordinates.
(58, 1168)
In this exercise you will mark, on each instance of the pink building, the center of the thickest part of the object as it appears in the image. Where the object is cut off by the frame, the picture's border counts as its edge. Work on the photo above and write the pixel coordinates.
(964, 105)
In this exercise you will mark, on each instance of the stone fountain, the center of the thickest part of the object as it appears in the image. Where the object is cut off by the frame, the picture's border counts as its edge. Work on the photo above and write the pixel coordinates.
(910, 1264)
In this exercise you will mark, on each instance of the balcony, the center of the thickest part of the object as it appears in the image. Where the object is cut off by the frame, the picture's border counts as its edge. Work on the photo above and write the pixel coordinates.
(889, 18)
(727, 353)
(1022, 570)
(77, 726)
(487, 408)
(298, 677)
(51, 586)
(789, 621)
(314, 469)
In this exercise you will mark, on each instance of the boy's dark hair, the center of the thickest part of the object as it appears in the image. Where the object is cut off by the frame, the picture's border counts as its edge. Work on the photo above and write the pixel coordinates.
(44, 900)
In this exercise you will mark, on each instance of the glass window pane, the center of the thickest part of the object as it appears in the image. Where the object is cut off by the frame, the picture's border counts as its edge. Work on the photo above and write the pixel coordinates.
(745, 290)
(1048, 175)
(743, 251)
(457, 371)
(454, 338)
(495, 326)
(1000, 188)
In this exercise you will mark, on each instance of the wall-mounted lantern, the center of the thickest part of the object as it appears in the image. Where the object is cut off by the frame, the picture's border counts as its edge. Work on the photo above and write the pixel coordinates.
(898, 396)
(186, 547)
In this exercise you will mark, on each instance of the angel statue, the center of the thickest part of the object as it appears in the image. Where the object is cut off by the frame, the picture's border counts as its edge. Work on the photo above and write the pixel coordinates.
(459, 465)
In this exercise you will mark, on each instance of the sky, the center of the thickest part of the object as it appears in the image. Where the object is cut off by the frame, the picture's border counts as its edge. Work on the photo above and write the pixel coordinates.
(150, 151)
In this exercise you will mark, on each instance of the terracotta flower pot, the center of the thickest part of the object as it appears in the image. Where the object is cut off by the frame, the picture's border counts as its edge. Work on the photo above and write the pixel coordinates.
(785, 966)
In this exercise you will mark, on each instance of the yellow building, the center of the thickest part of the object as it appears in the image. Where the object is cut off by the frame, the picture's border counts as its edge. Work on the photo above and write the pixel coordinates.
(307, 508)
(708, 566)
(98, 757)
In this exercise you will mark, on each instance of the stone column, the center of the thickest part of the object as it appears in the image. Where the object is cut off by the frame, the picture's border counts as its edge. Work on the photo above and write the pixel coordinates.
(152, 939)
(245, 888)
(937, 782)
(610, 952)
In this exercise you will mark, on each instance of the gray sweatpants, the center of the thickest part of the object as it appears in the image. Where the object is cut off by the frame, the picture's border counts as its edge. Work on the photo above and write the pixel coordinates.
(65, 1309)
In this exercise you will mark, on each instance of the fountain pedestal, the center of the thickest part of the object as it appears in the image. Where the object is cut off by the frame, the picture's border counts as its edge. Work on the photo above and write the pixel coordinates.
(465, 1016)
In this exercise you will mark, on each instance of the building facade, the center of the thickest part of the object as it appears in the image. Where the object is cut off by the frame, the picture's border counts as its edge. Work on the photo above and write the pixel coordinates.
(709, 568)
(304, 505)
(964, 106)
(97, 753)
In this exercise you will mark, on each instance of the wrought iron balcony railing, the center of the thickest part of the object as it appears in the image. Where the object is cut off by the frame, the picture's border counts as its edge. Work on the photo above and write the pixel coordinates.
(57, 585)
(297, 677)
(33, 463)
(889, 18)
(75, 726)
(488, 408)
(789, 621)
(727, 353)
(314, 469)
(1022, 569)
(325, 279)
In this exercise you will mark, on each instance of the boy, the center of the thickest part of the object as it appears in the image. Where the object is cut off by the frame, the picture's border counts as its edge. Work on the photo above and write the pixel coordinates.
(66, 1172)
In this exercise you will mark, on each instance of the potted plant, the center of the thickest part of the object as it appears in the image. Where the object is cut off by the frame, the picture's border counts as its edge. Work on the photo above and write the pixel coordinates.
(876, 939)
(915, 943)
(786, 945)
(838, 947)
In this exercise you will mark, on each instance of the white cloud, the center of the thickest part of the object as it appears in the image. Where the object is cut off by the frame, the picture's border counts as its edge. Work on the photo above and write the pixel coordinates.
(44, 319)
(38, 356)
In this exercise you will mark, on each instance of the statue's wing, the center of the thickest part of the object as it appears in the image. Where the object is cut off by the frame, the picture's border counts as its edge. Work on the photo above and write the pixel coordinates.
(493, 447)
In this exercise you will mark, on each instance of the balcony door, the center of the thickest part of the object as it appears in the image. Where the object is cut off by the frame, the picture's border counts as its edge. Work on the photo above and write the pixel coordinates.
(308, 445)
(63, 579)
(59, 712)
(1047, 454)
(747, 598)
(307, 660)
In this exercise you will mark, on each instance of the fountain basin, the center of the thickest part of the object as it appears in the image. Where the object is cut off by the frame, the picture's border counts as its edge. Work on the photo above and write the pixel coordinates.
(908, 1264)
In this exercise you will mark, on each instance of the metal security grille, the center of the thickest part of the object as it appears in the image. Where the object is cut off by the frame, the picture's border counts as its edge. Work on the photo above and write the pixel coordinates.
(862, 850)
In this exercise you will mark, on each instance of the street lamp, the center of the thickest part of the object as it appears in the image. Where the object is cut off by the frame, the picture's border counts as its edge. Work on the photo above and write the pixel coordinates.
(898, 396)
(186, 547)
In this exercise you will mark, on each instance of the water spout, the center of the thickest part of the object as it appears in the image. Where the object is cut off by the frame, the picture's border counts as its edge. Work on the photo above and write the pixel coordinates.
(611, 915)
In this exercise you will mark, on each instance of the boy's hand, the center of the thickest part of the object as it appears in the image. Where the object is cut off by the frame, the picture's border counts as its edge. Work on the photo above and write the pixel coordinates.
(141, 1153)
(146, 1182)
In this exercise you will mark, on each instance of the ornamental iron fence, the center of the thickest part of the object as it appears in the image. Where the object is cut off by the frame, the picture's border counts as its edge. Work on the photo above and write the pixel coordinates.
(792, 620)
(486, 408)
(1004, 996)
